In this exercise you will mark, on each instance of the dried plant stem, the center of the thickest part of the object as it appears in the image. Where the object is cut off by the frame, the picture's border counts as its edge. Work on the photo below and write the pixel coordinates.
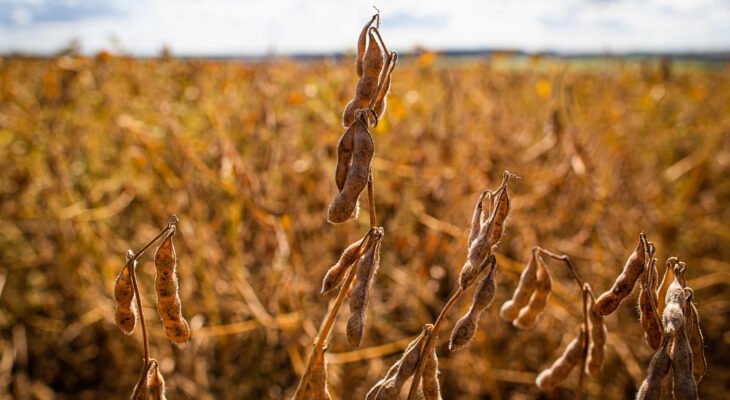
(371, 201)
(324, 331)
(430, 342)
(586, 341)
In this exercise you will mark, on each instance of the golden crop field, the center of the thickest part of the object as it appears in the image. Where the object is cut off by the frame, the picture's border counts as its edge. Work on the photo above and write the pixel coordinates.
(97, 153)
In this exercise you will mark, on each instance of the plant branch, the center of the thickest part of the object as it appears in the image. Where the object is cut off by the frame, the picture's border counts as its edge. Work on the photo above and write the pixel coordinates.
(371, 200)
(430, 341)
(329, 321)
(170, 225)
(586, 341)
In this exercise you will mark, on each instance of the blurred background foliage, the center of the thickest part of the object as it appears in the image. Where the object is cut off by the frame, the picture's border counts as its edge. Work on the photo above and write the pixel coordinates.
(97, 153)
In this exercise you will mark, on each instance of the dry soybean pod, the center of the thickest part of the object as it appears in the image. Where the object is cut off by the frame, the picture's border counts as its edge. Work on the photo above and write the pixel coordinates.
(317, 386)
(141, 390)
(651, 387)
(367, 87)
(168, 297)
(466, 327)
(391, 388)
(528, 314)
(362, 43)
(382, 97)
(373, 392)
(393, 370)
(476, 219)
(559, 370)
(696, 339)
(366, 269)
(666, 281)
(527, 284)
(344, 161)
(479, 248)
(468, 273)
(125, 314)
(610, 300)
(430, 382)
(679, 271)
(673, 316)
(685, 387)
(647, 306)
(344, 156)
(597, 344)
(490, 230)
(344, 204)
(156, 383)
(336, 273)
(500, 213)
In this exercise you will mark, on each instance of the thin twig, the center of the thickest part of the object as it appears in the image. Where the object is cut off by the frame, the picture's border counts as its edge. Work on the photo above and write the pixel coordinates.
(170, 225)
(377, 15)
(586, 341)
(145, 339)
(371, 200)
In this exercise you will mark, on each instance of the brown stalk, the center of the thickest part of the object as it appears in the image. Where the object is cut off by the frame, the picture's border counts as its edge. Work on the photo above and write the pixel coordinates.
(329, 321)
(371, 201)
(586, 341)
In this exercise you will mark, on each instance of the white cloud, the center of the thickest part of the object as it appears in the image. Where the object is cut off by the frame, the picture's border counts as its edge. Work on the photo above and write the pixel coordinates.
(258, 26)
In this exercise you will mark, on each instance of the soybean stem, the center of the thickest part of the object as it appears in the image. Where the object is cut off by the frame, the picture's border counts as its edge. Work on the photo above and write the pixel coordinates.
(579, 389)
(371, 200)
(329, 320)
(170, 225)
(145, 340)
(428, 346)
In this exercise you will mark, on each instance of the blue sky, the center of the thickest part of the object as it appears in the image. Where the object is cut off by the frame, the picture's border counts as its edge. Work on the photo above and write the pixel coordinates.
(253, 27)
